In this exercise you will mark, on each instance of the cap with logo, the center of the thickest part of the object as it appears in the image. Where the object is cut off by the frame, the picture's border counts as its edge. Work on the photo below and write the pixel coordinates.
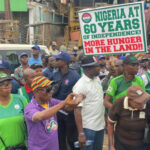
(36, 47)
(4, 77)
(23, 54)
(64, 56)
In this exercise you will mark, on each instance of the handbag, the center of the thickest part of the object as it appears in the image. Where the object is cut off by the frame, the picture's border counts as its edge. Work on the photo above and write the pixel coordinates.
(20, 147)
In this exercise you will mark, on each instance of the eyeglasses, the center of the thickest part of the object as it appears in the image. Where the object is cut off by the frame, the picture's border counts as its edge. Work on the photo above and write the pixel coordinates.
(45, 89)
(4, 86)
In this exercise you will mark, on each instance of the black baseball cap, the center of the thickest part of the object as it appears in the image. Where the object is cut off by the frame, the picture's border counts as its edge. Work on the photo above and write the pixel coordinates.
(89, 61)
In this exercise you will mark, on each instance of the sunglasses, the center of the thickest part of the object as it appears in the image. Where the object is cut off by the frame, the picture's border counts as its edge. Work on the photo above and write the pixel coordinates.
(45, 89)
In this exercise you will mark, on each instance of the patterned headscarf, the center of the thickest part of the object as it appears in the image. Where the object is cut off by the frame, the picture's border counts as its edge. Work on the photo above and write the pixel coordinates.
(40, 81)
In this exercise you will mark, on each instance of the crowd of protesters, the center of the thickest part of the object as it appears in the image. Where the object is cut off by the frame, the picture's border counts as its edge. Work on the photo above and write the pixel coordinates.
(53, 101)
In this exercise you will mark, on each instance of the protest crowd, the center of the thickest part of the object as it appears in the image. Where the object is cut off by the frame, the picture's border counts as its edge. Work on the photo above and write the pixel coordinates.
(53, 101)
(73, 99)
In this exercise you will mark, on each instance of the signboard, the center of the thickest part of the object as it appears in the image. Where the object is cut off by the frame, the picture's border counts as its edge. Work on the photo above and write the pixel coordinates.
(113, 30)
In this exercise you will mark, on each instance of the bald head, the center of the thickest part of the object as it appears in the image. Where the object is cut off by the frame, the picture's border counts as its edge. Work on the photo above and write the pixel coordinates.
(29, 74)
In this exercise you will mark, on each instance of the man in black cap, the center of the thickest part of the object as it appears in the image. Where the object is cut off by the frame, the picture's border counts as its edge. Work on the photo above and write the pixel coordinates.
(89, 115)
(5, 67)
(119, 85)
(64, 79)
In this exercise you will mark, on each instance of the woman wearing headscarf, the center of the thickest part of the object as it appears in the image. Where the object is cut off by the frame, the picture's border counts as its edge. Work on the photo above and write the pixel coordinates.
(126, 121)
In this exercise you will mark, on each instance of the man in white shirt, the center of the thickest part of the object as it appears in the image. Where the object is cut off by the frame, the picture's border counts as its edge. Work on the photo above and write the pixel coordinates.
(89, 115)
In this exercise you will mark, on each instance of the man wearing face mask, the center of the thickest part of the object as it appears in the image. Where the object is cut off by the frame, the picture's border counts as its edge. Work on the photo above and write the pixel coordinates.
(36, 58)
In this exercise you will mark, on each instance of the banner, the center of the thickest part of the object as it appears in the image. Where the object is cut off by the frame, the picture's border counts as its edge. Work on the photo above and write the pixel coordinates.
(113, 30)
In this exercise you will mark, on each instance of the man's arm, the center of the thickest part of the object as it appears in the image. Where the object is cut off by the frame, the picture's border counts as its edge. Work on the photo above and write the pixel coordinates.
(78, 119)
(110, 129)
(107, 100)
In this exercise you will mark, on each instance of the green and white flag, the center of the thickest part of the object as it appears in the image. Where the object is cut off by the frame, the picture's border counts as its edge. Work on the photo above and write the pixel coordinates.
(114, 29)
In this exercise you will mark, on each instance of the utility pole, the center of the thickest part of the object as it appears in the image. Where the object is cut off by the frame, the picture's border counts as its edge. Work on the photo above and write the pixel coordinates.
(8, 14)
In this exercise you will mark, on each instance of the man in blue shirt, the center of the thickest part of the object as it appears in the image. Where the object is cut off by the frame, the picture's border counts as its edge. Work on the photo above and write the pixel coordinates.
(48, 71)
(65, 79)
(35, 59)
(5, 67)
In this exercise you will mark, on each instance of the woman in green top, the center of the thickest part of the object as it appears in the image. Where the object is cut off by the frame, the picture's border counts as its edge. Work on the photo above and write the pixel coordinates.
(12, 126)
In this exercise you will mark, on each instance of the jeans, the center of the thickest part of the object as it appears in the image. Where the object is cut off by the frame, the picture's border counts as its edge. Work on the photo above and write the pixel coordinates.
(97, 137)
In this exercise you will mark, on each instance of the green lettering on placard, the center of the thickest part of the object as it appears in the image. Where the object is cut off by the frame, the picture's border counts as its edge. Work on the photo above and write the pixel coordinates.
(119, 25)
(137, 11)
(93, 28)
(110, 26)
(114, 14)
(127, 24)
(97, 16)
(135, 23)
(102, 25)
(123, 15)
(105, 15)
(131, 13)
(86, 29)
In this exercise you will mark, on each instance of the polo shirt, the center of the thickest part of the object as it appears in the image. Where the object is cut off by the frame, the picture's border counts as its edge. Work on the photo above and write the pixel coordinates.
(12, 124)
(67, 83)
(118, 86)
(48, 72)
(131, 123)
(34, 61)
(92, 107)
(41, 135)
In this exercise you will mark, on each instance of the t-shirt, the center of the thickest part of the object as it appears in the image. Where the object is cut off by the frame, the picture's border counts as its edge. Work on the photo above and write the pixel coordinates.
(118, 86)
(34, 61)
(12, 124)
(67, 82)
(92, 106)
(41, 135)
(131, 123)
